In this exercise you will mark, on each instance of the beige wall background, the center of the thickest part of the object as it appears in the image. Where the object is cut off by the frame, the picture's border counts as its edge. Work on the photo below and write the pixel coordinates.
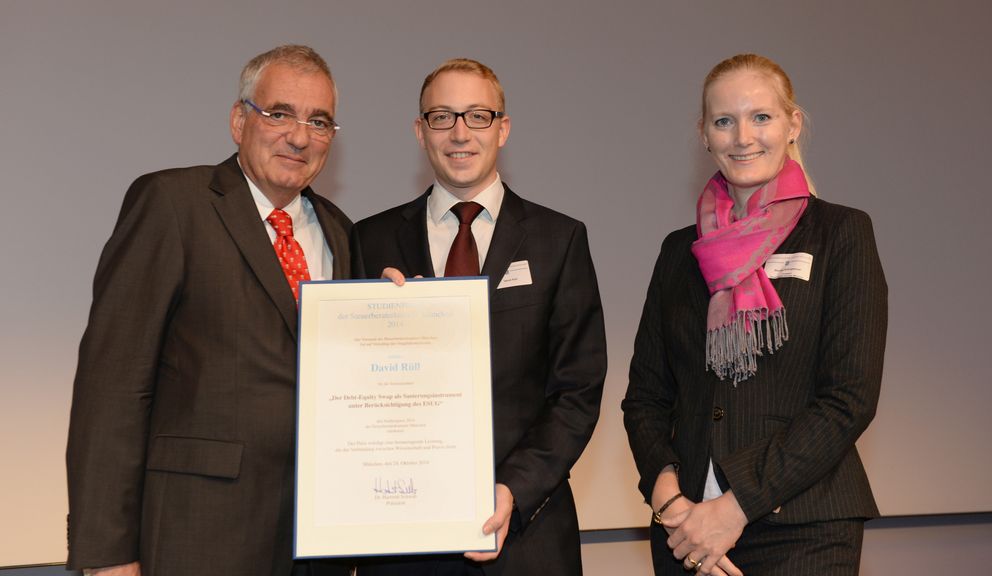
(604, 99)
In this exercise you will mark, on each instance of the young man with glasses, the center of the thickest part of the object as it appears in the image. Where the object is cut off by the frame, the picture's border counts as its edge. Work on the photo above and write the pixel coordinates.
(548, 342)
(180, 455)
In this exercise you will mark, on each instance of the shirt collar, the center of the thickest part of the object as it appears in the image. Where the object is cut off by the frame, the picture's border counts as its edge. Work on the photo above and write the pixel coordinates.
(265, 207)
(440, 201)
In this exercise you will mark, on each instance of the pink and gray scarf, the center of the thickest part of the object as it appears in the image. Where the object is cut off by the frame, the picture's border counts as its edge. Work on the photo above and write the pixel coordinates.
(745, 313)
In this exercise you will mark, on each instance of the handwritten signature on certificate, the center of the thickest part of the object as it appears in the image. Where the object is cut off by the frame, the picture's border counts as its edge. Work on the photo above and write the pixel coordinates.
(396, 486)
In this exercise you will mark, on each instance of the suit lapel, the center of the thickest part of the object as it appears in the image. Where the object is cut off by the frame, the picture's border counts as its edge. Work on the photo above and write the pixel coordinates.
(797, 241)
(696, 291)
(508, 235)
(412, 236)
(240, 216)
(798, 237)
(335, 235)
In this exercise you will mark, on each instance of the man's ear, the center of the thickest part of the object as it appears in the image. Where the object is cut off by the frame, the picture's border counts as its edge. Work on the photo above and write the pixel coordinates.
(418, 130)
(237, 121)
(504, 130)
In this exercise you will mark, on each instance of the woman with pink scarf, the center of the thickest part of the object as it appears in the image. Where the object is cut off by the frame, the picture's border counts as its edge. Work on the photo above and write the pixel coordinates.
(758, 359)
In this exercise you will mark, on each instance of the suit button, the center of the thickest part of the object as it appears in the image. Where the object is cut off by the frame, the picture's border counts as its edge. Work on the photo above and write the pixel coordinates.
(718, 413)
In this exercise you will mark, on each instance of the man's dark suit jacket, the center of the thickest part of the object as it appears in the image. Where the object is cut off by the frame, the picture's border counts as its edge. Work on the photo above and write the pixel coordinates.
(181, 436)
(548, 362)
(785, 436)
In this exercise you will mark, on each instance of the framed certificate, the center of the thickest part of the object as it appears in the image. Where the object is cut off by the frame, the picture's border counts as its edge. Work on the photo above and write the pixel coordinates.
(394, 449)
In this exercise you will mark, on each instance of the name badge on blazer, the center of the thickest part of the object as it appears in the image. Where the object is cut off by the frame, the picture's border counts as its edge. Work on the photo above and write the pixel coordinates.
(518, 274)
(796, 265)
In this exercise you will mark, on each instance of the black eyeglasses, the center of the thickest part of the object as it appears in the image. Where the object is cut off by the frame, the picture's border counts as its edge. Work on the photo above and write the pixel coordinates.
(476, 118)
(284, 121)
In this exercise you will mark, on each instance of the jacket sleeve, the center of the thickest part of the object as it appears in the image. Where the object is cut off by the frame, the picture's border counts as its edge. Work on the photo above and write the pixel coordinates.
(651, 392)
(137, 283)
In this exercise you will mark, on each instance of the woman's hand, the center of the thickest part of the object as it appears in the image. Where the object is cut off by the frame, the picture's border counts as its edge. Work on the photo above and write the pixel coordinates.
(702, 534)
(665, 487)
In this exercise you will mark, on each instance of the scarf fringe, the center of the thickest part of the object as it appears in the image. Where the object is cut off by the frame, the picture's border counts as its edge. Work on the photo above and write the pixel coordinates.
(732, 350)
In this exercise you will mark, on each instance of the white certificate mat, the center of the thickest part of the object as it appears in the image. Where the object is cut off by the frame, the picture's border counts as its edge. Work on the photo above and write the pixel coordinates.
(395, 435)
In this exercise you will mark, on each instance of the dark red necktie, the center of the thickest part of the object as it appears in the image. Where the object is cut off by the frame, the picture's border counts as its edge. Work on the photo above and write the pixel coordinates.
(463, 259)
(294, 264)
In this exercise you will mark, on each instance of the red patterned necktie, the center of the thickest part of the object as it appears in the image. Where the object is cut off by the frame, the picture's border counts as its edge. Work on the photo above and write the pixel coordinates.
(463, 259)
(290, 254)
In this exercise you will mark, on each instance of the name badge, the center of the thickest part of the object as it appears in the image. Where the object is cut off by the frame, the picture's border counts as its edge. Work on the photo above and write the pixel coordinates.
(796, 265)
(518, 274)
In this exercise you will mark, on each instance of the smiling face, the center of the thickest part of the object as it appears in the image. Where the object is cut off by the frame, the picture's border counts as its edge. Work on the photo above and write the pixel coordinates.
(282, 163)
(464, 160)
(747, 128)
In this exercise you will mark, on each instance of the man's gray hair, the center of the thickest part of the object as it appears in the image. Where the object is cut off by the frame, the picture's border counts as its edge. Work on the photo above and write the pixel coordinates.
(303, 58)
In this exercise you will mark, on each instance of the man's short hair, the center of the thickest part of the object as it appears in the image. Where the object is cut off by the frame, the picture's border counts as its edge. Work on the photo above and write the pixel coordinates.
(303, 58)
(466, 65)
